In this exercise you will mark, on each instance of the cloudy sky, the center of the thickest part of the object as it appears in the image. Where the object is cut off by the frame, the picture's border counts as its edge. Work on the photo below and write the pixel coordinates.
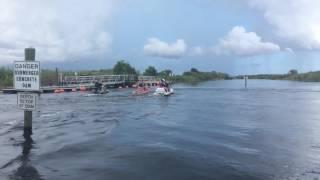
(234, 36)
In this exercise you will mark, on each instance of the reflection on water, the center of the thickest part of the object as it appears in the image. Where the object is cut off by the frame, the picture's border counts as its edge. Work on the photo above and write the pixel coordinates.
(214, 130)
(26, 170)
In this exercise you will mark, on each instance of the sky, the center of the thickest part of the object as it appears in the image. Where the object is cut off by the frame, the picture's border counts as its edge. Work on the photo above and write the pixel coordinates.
(232, 36)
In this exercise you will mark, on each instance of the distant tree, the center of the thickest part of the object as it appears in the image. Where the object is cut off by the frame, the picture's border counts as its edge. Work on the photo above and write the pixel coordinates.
(104, 71)
(194, 70)
(6, 77)
(187, 73)
(165, 73)
(122, 67)
(48, 77)
(150, 71)
(293, 72)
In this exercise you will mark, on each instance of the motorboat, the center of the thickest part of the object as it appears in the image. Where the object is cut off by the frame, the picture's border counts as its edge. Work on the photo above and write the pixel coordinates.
(163, 91)
(102, 90)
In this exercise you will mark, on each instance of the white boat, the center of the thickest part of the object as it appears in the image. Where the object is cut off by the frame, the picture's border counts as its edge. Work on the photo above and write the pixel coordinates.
(163, 91)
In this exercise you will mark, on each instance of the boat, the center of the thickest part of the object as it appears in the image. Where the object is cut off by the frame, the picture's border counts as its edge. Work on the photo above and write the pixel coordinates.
(141, 91)
(163, 91)
(99, 88)
(83, 88)
(59, 90)
(101, 91)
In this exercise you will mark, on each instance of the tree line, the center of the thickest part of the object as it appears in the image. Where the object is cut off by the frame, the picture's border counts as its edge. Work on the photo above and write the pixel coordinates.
(292, 75)
(191, 76)
(51, 77)
(6, 77)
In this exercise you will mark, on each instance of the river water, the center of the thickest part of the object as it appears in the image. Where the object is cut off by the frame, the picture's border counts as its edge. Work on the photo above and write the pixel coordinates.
(212, 130)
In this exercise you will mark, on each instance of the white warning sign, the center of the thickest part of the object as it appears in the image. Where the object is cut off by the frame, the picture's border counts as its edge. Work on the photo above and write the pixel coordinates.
(27, 75)
(27, 101)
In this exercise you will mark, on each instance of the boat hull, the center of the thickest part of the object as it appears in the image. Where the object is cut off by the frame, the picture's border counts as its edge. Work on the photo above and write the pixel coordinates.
(163, 91)
(141, 91)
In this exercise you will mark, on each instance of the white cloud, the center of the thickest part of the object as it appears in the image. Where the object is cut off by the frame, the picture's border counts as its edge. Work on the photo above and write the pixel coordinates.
(197, 51)
(239, 42)
(296, 21)
(158, 48)
(289, 50)
(59, 29)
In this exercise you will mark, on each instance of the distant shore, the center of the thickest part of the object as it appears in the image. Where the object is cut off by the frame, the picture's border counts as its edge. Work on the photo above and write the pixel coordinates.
(291, 76)
(51, 77)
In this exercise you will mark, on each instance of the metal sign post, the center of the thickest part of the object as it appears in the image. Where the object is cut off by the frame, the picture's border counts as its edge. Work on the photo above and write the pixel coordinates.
(27, 82)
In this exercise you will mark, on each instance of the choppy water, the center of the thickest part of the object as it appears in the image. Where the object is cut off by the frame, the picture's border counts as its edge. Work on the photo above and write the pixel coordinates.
(214, 130)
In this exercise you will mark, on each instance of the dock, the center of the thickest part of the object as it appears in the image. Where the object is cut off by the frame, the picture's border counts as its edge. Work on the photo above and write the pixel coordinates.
(86, 83)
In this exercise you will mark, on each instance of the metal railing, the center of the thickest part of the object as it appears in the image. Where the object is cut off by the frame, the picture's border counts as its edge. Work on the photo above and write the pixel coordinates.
(107, 79)
(148, 78)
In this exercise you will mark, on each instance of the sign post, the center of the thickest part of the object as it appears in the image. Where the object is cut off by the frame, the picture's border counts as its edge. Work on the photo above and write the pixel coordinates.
(27, 83)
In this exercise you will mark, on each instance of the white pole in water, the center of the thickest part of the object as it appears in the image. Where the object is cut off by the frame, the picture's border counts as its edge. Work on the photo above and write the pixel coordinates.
(245, 81)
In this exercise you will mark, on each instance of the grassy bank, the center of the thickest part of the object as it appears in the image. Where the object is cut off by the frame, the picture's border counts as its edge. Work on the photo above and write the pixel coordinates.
(307, 77)
(196, 77)
(295, 76)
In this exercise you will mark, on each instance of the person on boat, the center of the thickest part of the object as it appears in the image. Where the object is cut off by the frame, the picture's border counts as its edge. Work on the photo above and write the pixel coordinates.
(104, 89)
(97, 86)
(164, 84)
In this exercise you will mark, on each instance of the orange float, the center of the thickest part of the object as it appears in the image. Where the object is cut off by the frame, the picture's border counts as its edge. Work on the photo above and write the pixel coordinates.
(82, 88)
(57, 90)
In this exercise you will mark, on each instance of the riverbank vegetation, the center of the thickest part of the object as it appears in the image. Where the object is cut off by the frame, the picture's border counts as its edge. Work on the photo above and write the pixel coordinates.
(292, 75)
(6, 77)
(195, 76)
(52, 76)
(123, 67)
